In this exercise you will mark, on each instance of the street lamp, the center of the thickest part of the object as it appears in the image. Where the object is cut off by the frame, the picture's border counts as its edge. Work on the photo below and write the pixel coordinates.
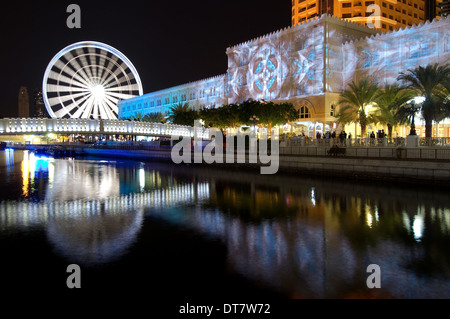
(413, 106)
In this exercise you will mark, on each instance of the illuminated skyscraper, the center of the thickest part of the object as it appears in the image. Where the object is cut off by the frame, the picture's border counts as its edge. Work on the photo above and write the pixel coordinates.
(393, 14)
(23, 102)
(430, 9)
(445, 8)
(39, 107)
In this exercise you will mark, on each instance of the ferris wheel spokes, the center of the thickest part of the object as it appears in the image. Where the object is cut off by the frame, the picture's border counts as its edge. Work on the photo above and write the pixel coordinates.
(87, 80)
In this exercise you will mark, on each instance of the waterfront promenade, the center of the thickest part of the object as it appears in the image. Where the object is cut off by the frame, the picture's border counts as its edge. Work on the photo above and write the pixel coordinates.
(430, 164)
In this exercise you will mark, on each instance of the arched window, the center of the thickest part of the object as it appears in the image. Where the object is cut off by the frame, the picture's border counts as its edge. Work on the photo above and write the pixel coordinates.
(304, 112)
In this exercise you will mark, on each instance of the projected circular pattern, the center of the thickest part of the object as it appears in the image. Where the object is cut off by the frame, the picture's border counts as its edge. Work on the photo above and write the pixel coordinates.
(87, 80)
(265, 74)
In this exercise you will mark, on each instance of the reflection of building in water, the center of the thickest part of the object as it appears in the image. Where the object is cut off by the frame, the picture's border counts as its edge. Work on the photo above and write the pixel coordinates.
(83, 180)
(96, 231)
(310, 257)
(37, 173)
(96, 237)
(74, 179)
(138, 179)
(9, 160)
(318, 240)
(309, 239)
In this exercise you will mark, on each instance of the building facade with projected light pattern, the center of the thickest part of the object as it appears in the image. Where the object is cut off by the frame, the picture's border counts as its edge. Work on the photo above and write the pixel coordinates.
(308, 65)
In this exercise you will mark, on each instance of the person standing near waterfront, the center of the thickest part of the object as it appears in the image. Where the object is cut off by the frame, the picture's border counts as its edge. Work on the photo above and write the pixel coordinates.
(342, 137)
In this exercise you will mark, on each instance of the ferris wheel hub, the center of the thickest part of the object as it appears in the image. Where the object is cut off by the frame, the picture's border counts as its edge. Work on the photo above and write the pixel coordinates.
(98, 92)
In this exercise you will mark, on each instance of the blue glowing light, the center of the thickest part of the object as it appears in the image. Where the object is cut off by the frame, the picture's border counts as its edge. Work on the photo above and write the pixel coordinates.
(39, 162)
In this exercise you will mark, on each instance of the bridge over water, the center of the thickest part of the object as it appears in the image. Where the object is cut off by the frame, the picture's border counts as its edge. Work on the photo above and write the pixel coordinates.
(17, 126)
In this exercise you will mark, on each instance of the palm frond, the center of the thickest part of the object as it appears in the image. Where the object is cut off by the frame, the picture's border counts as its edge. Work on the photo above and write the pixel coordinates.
(431, 82)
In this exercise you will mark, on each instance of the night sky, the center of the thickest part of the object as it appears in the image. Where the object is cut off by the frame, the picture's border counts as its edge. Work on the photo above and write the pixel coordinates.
(170, 42)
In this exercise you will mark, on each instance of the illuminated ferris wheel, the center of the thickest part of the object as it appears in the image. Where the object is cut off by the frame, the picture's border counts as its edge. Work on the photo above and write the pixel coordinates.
(87, 80)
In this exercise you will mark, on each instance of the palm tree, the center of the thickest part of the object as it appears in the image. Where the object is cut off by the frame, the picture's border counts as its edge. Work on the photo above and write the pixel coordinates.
(157, 117)
(138, 116)
(432, 83)
(387, 106)
(182, 114)
(354, 103)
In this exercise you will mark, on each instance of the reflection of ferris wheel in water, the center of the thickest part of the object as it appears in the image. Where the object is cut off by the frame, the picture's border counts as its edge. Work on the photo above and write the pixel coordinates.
(87, 80)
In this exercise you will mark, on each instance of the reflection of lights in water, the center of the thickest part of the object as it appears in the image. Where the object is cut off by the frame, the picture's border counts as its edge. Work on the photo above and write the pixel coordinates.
(51, 174)
(25, 173)
(85, 216)
(9, 157)
(96, 231)
(40, 164)
(418, 227)
(72, 180)
(444, 216)
(371, 218)
(32, 164)
(313, 196)
(142, 178)
(19, 214)
(96, 236)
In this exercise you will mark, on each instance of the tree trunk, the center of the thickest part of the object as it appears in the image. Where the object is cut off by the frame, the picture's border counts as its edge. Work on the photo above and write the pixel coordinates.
(428, 128)
(363, 130)
(363, 123)
(389, 127)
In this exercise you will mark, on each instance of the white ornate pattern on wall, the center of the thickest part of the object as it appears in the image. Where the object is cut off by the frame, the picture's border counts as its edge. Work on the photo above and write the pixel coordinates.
(279, 65)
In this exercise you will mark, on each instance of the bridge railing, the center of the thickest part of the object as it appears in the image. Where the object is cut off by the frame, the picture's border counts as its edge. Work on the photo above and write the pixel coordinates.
(45, 125)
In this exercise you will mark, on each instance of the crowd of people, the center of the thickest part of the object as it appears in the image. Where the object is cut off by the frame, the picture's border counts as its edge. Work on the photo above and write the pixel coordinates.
(380, 134)
(342, 135)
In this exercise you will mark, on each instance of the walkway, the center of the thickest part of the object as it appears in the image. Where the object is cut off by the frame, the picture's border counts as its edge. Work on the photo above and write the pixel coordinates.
(14, 126)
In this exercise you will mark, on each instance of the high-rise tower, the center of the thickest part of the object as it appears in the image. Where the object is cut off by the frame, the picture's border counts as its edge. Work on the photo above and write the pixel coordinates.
(445, 8)
(39, 107)
(24, 102)
(393, 14)
(430, 9)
